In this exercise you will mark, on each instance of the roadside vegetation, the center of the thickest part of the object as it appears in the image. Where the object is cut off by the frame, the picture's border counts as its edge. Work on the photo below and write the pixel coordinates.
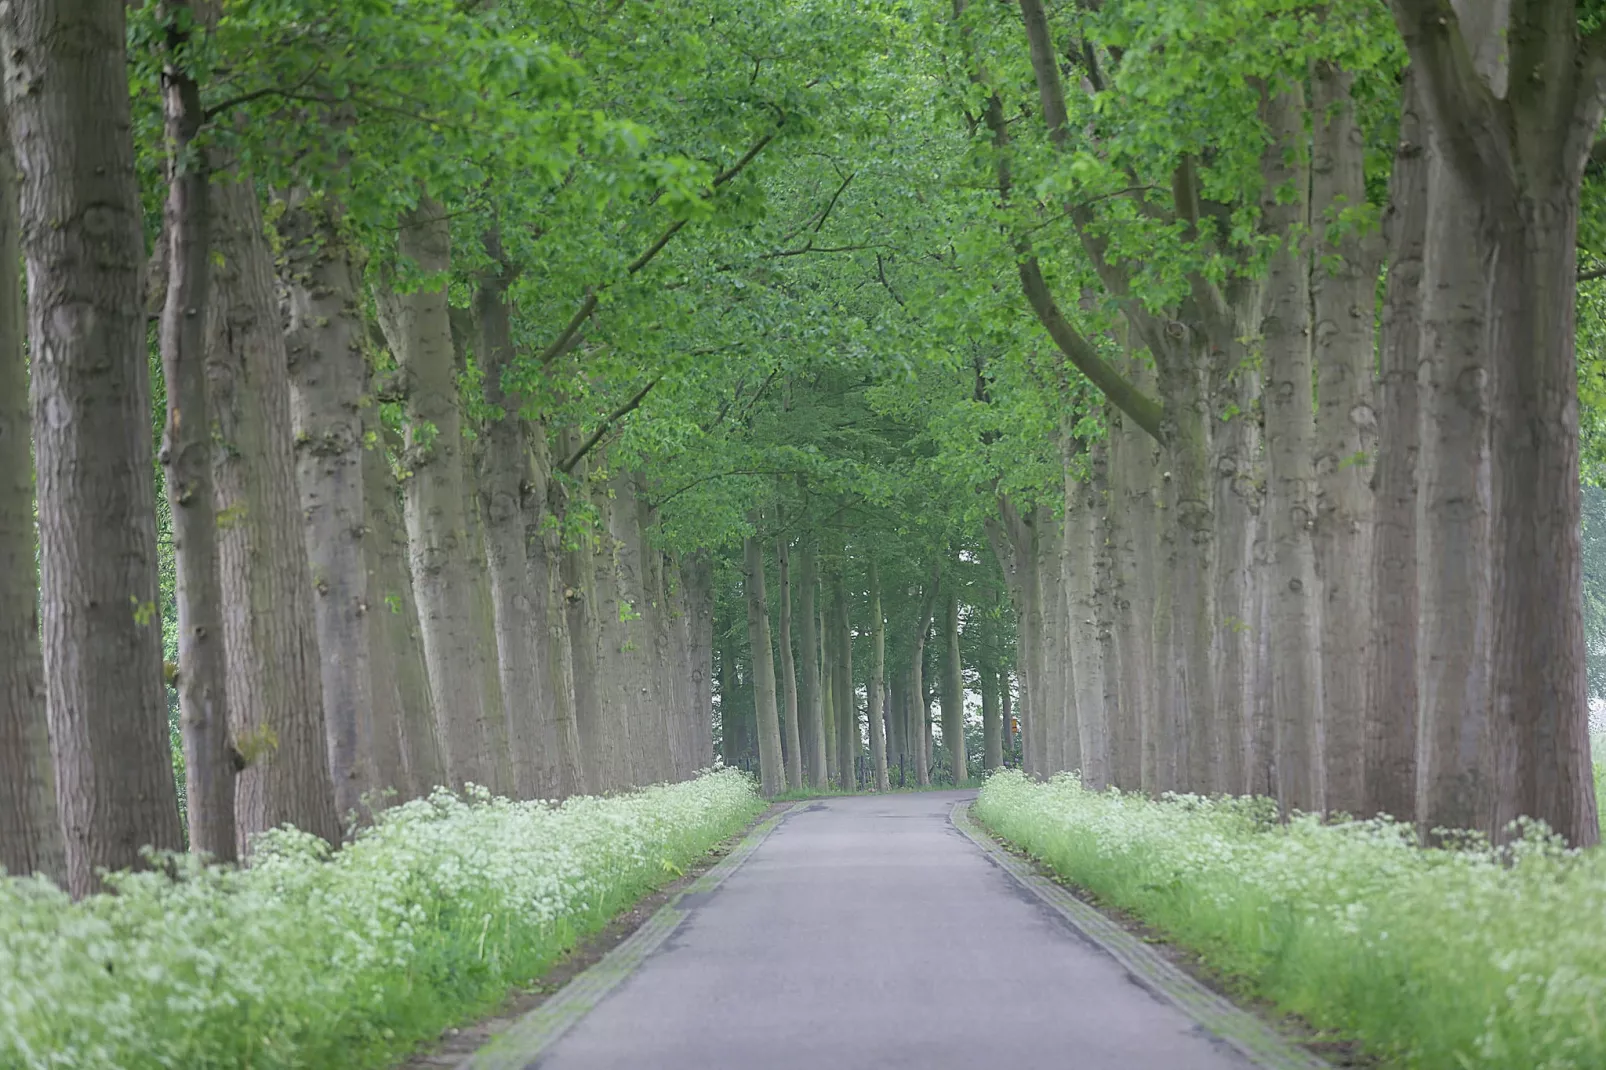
(1456, 957)
(350, 959)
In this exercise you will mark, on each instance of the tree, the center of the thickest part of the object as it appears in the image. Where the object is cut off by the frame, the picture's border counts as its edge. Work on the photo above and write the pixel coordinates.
(67, 98)
(30, 831)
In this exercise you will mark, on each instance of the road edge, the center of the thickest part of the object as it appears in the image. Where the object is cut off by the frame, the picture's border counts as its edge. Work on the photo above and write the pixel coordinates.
(523, 1043)
(1239, 1029)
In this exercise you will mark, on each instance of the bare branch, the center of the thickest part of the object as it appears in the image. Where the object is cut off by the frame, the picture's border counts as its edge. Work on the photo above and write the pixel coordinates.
(614, 417)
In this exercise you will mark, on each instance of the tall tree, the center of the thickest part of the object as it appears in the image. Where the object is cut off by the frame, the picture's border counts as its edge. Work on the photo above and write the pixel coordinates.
(1513, 136)
(794, 739)
(269, 632)
(876, 687)
(953, 691)
(328, 373)
(66, 89)
(415, 324)
(812, 711)
(772, 777)
(30, 830)
(209, 755)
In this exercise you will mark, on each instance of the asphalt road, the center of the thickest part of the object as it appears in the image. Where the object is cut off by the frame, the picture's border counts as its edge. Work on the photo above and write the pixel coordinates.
(868, 932)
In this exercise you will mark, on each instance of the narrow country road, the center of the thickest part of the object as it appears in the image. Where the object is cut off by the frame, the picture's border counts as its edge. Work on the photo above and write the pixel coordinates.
(869, 932)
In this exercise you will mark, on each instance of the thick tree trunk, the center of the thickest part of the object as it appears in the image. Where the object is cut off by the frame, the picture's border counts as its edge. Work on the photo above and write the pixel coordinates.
(66, 91)
(544, 512)
(1391, 731)
(1455, 745)
(1083, 534)
(878, 680)
(1236, 393)
(1162, 729)
(275, 684)
(698, 573)
(30, 827)
(404, 709)
(772, 776)
(516, 591)
(993, 728)
(1063, 744)
(209, 755)
(828, 693)
(953, 693)
(328, 374)
(1344, 287)
(496, 744)
(419, 333)
(604, 741)
(1290, 438)
(794, 736)
(1135, 558)
(813, 712)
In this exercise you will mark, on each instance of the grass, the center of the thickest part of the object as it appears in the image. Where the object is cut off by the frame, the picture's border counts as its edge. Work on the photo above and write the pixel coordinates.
(428, 919)
(1438, 960)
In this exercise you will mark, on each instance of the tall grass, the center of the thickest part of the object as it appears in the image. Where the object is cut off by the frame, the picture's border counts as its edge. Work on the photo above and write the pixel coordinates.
(307, 960)
(1432, 959)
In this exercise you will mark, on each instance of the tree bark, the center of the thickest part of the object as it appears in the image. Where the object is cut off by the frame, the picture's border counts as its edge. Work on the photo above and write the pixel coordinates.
(953, 693)
(878, 680)
(699, 579)
(1344, 288)
(496, 743)
(66, 89)
(1391, 732)
(794, 736)
(275, 684)
(328, 372)
(30, 826)
(772, 776)
(844, 704)
(1290, 438)
(544, 512)
(1132, 524)
(1006, 715)
(521, 633)
(417, 328)
(209, 755)
(813, 712)
(1082, 536)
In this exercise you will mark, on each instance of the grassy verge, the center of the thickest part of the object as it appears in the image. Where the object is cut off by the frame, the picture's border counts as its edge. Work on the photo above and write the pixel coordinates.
(1430, 959)
(306, 960)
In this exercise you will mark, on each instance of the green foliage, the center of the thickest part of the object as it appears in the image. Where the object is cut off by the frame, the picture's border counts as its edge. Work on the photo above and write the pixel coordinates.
(430, 917)
(1438, 958)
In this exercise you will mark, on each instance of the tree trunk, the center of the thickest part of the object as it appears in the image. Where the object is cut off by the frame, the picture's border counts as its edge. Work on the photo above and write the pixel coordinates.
(516, 590)
(30, 828)
(404, 711)
(813, 711)
(328, 373)
(209, 755)
(953, 694)
(845, 704)
(66, 91)
(1082, 536)
(1344, 286)
(1290, 438)
(1391, 731)
(878, 680)
(828, 693)
(1455, 745)
(275, 684)
(419, 333)
(772, 777)
(1134, 552)
(699, 578)
(794, 737)
(1006, 716)
(544, 513)
(1236, 393)
(497, 745)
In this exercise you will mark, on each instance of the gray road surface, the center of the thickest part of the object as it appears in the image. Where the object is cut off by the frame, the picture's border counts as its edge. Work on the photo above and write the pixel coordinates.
(869, 933)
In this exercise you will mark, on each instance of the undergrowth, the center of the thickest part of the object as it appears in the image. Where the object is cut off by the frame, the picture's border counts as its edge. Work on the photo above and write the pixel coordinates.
(1439, 959)
(303, 959)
